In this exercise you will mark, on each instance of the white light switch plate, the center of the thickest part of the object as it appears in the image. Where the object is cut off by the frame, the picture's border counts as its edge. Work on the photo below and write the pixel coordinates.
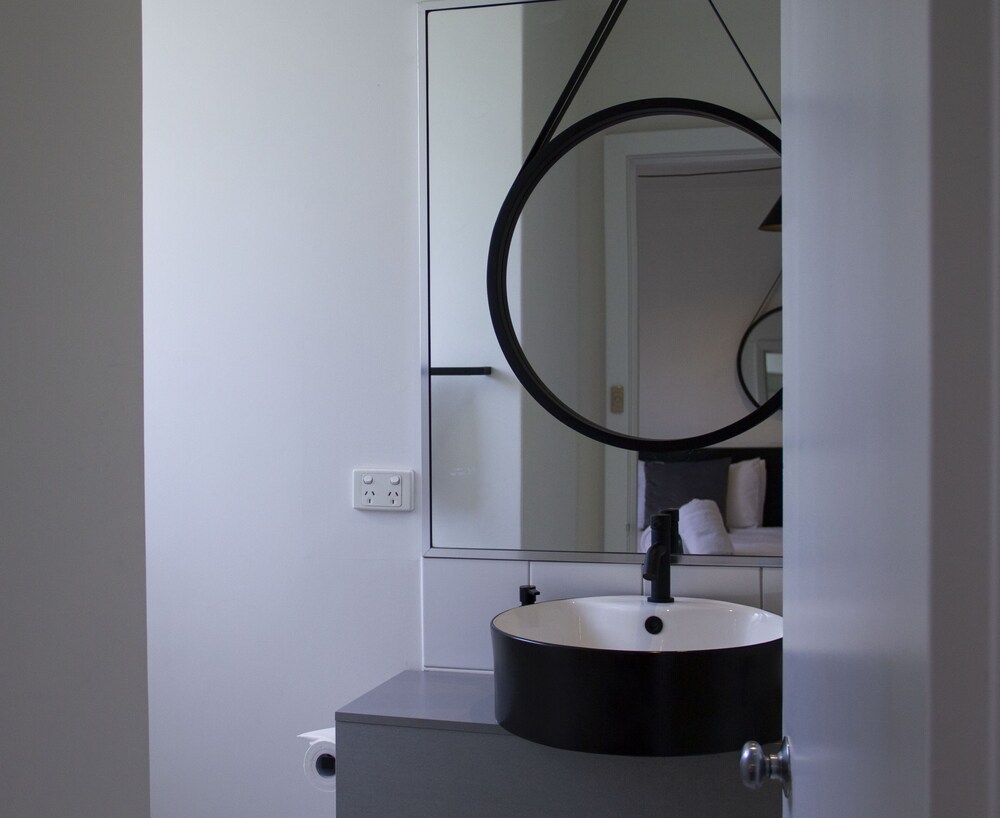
(383, 489)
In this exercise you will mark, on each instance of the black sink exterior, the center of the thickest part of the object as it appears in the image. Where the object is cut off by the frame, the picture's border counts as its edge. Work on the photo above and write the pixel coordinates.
(634, 703)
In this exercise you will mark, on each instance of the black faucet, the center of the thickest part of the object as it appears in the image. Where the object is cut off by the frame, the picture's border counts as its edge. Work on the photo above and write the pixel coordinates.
(656, 565)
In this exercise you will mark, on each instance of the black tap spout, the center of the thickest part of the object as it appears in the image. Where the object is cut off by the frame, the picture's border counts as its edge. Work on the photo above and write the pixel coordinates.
(656, 565)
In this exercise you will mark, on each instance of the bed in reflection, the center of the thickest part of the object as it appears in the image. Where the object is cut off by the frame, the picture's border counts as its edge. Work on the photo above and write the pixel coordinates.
(729, 499)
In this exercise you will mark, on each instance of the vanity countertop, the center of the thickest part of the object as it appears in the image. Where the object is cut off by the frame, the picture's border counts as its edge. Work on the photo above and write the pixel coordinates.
(430, 699)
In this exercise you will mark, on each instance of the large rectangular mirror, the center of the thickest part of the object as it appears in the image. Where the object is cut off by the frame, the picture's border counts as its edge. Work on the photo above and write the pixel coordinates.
(645, 340)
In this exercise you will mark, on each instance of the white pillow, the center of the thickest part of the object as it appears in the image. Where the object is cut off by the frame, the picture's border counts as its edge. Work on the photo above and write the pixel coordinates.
(702, 529)
(745, 493)
(762, 475)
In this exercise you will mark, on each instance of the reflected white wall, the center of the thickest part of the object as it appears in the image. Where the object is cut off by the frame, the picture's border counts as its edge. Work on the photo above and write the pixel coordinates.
(475, 74)
(703, 270)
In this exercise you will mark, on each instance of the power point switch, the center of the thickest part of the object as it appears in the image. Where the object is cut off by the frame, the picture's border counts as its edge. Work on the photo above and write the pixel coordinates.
(383, 489)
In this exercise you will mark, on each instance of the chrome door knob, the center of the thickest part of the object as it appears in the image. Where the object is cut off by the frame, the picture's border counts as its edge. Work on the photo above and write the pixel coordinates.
(757, 766)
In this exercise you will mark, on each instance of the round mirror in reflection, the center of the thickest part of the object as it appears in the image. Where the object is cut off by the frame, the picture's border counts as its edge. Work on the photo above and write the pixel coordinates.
(759, 359)
(626, 264)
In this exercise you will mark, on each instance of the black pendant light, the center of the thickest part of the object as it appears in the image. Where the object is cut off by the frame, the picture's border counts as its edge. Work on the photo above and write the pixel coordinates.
(772, 222)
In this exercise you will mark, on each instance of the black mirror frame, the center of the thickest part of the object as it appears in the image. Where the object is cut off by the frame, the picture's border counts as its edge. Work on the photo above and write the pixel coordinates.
(538, 164)
(739, 353)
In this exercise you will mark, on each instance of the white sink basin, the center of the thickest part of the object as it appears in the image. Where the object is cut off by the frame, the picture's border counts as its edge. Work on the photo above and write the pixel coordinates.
(619, 623)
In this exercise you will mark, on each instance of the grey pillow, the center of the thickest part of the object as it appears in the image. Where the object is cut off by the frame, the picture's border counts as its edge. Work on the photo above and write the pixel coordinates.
(671, 485)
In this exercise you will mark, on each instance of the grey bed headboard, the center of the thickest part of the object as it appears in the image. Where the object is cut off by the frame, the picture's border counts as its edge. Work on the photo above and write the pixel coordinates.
(772, 458)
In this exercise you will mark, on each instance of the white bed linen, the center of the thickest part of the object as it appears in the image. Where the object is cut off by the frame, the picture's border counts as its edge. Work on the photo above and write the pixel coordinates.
(757, 542)
(747, 542)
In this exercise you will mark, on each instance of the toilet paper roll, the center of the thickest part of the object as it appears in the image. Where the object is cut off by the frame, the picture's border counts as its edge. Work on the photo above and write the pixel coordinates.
(320, 762)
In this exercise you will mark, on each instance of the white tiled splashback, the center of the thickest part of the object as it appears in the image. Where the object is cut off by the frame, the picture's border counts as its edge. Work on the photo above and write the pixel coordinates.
(770, 589)
(460, 599)
(461, 596)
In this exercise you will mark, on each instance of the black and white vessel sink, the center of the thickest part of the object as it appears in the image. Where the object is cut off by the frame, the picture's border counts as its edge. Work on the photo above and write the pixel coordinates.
(622, 675)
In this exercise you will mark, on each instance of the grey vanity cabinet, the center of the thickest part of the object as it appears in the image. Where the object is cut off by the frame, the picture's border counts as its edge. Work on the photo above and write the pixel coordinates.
(425, 743)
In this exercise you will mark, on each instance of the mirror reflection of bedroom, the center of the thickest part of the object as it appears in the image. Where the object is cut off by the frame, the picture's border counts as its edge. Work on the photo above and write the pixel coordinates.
(730, 500)
(504, 475)
(694, 292)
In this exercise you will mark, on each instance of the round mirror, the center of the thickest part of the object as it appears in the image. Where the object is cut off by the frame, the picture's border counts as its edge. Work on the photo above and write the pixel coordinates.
(695, 269)
(759, 358)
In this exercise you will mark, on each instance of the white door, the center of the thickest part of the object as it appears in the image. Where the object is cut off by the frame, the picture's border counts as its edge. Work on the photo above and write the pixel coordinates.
(892, 658)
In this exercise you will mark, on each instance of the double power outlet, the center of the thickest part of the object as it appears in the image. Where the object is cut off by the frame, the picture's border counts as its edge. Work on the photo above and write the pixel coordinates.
(383, 489)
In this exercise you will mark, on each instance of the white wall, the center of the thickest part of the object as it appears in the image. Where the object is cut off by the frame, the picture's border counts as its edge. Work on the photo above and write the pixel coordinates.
(281, 351)
(72, 568)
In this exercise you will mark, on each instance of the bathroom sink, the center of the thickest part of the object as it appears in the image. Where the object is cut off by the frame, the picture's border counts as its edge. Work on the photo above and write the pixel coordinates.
(622, 675)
